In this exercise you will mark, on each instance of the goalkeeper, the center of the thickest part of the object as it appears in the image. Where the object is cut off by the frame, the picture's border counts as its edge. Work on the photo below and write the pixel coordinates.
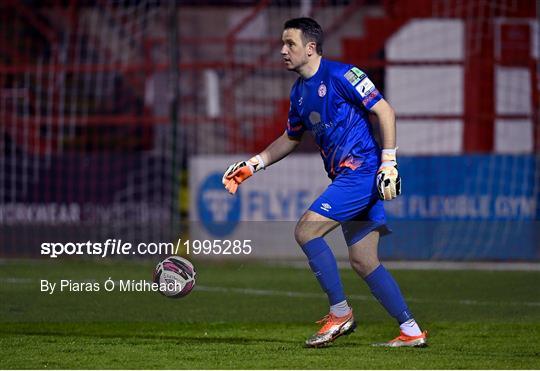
(332, 100)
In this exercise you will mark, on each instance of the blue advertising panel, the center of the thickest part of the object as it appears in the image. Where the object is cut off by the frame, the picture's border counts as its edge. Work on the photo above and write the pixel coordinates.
(475, 207)
(459, 208)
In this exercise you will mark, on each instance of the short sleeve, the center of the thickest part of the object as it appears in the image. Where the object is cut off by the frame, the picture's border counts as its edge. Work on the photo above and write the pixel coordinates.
(357, 88)
(295, 128)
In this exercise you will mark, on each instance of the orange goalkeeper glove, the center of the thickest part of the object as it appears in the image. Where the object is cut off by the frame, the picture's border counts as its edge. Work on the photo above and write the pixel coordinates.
(388, 179)
(240, 171)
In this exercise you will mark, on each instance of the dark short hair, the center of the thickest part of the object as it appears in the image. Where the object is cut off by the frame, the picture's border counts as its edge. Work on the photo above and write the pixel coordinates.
(311, 31)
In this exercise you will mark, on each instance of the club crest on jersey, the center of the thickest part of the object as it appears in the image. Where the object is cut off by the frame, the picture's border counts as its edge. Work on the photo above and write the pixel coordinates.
(322, 90)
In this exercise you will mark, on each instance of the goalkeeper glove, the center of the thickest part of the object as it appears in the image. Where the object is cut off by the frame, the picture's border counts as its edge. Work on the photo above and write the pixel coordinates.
(388, 179)
(240, 171)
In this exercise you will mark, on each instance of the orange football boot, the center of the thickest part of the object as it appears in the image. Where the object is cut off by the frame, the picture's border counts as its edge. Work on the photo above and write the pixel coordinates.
(404, 340)
(333, 327)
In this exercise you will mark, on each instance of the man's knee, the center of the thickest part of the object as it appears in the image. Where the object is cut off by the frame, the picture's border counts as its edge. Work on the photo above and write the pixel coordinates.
(363, 267)
(303, 233)
(312, 226)
(363, 255)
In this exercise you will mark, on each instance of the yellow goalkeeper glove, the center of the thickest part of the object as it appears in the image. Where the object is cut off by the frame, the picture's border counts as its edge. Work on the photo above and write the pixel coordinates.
(388, 179)
(240, 171)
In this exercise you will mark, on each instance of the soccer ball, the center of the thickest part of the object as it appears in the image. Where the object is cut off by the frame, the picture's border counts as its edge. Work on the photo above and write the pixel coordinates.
(176, 277)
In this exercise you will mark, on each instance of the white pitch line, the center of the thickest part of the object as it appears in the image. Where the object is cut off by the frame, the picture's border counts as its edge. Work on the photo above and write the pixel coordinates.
(427, 265)
(297, 294)
(312, 295)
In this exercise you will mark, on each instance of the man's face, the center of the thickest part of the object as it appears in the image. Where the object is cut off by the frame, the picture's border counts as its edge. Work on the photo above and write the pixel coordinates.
(295, 54)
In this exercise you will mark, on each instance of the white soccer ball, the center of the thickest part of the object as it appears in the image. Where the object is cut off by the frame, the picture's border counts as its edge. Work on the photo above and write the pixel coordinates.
(176, 277)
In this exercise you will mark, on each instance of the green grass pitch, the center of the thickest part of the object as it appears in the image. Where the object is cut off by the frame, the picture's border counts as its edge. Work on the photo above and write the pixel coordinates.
(254, 316)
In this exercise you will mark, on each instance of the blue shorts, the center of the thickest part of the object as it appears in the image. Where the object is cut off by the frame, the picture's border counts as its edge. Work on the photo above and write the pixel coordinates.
(353, 201)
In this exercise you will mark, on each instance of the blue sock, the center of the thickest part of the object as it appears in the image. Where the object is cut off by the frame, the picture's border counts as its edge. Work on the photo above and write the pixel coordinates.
(386, 290)
(324, 266)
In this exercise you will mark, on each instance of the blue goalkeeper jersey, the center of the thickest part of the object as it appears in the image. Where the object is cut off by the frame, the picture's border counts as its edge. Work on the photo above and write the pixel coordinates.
(334, 104)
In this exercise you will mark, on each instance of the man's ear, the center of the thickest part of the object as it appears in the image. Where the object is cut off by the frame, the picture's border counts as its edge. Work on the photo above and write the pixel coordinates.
(312, 48)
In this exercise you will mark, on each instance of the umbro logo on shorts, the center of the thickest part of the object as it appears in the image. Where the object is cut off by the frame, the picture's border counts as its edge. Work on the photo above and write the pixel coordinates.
(326, 206)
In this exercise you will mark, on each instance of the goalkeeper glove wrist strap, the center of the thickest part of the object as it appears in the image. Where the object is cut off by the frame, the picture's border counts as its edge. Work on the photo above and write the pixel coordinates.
(256, 163)
(389, 155)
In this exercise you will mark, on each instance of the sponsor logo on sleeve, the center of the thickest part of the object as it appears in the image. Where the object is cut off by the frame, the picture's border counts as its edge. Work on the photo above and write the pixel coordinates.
(354, 75)
(374, 93)
(365, 87)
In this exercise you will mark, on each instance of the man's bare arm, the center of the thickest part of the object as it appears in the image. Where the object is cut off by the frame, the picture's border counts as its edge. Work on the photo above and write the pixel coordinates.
(388, 179)
(278, 149)
(387, 123)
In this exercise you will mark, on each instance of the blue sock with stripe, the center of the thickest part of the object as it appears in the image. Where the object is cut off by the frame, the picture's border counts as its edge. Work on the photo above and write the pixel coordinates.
(324, 266)
(386, 290)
